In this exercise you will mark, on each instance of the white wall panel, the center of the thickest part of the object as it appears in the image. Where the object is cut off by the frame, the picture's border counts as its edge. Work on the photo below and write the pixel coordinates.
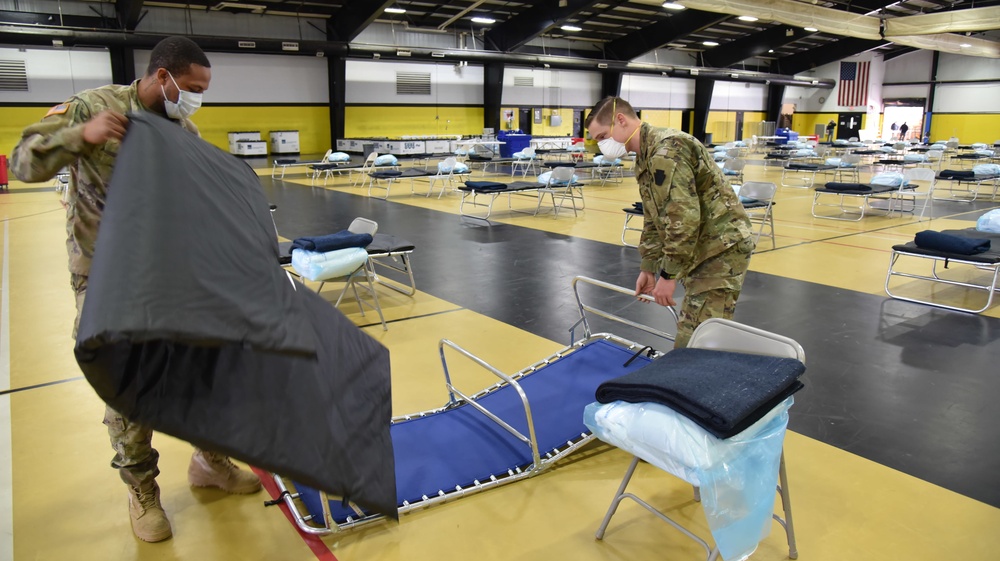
(900, 92)
(967, 98)
(646, 91)
(374, 82)
(911, 67)
(54, 75)
(958, 67)
(551, 88)
(739, 96)
(257, 78)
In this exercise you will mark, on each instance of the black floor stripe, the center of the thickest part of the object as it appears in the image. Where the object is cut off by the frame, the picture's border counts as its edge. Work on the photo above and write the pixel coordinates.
(904, 385)
(36, 386)
(408, 318)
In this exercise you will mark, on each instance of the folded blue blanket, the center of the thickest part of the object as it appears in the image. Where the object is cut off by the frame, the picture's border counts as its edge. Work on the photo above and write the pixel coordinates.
(332, 242)
(485, 185)
(835, 186)
(723, 392)
(957, 174)
(947, 243)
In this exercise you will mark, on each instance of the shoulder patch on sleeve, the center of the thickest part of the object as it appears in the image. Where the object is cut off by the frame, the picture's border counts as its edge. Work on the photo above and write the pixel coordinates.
(58, 110)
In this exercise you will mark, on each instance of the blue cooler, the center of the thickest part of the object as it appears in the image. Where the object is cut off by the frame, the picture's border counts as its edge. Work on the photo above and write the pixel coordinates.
(786, 135)
(513, 141)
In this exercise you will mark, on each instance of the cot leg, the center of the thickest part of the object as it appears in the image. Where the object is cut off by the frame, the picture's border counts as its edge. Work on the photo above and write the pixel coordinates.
(786, 505)
(619, 495)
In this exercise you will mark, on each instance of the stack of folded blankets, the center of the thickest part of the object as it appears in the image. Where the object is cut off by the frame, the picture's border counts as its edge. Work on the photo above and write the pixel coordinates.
(723, 392)
(319, 258)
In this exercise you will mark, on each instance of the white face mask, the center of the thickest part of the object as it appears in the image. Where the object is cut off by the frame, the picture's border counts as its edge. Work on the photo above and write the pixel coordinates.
(611, 148)
(185, 106)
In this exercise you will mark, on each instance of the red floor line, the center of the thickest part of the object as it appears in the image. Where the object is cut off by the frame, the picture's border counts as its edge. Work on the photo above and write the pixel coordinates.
(315, 544)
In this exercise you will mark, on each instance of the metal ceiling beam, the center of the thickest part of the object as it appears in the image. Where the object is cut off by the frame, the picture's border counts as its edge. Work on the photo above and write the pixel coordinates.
(832, 52)
(532, 22)
(654, 36)
(129, 12)
(56, 20)
(752, 45)
(353, 18)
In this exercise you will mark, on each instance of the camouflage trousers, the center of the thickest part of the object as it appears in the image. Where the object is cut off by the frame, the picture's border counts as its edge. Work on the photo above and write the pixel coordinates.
(135, 458)
(712, 288)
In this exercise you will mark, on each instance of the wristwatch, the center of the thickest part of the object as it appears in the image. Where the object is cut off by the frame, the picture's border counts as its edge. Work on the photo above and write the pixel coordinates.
(665, 275)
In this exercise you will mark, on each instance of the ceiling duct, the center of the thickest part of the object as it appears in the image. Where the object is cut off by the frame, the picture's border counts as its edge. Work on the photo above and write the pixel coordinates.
(956, 21)
(847, 24)
(238, 8)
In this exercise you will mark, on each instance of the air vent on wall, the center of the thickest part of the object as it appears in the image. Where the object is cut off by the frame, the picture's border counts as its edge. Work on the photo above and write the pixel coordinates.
(413, 83)
(13, 76)
(524, 81)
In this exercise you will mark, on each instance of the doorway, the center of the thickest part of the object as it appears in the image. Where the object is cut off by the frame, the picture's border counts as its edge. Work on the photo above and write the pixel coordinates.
(578, 123)
(849, 125)
(913, 116)
(525, 117)
(739, 125)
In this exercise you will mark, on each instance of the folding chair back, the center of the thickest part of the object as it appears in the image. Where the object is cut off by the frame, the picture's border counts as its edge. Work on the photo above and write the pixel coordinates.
(560, 186)
(920, 175)
(363, 226)
(326, 157)
(728, 335)
(561, 175)
(761, 212)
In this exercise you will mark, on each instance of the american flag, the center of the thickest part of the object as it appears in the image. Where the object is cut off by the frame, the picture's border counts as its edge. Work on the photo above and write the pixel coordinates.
(853, 88)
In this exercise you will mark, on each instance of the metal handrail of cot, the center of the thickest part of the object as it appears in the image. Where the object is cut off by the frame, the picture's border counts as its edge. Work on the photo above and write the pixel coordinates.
(329, 525)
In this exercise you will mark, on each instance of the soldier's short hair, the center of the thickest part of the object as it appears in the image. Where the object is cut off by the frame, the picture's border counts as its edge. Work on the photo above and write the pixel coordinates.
(602, 111)
(176, 54)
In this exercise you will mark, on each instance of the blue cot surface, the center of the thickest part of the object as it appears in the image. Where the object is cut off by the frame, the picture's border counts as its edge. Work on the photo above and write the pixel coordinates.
(461, 445)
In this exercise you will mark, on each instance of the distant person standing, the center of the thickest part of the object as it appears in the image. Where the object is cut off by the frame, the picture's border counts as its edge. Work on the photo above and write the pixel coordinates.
(829, 130)
(902, 131)
(894, 128)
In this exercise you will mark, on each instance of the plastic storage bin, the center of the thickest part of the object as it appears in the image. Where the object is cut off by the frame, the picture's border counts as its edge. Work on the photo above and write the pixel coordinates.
(513, 142)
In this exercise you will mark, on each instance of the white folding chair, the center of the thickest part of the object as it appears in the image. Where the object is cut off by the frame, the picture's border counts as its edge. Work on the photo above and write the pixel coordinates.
(760, 211)
(725, 335)
(526, 164)
(443, 177)
(366, 168)
(363, 277)
(733, 169)
(916, 176)
(560, 186)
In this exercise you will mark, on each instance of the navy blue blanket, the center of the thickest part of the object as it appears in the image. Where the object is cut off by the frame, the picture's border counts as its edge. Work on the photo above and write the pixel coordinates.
(939, 241)
(723, 392)
(835, 186)
(332, 242)
(485, 185)
(957, 174)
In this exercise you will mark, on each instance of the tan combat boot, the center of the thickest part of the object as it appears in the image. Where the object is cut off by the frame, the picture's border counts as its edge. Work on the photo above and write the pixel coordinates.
(208, 469)
(149, 522)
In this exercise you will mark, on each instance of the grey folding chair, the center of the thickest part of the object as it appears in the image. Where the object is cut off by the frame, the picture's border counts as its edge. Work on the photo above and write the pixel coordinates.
(363, 277)
(560, 186)
(726, 335)
(916, 177)
(760, 211)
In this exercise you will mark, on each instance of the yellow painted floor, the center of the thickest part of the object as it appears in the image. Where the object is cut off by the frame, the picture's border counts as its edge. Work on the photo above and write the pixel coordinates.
(68, 503)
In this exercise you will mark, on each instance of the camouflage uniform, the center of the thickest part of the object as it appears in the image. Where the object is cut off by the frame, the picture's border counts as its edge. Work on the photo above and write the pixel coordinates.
(45, 148)
(694, 229)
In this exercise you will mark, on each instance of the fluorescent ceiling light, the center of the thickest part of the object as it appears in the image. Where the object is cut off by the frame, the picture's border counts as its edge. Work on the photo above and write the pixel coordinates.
(710, 43)
(747, 18)
(672, 6)
(810, 29)
(965, 45)
(571, 28)
(770, 50)
(478, 19)
(395, 11)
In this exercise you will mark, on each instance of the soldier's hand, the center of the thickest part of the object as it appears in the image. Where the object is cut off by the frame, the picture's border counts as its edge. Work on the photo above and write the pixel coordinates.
(106, 125)
(644, 284)
(663, 293)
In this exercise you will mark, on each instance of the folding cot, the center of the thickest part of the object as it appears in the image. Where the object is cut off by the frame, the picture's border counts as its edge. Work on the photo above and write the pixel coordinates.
(474, 192)
(860, 191)
(964, 181)
(804, 175)
(630, 213)
(391, 176)
(988, 262)
(520, 426)
(387, 252)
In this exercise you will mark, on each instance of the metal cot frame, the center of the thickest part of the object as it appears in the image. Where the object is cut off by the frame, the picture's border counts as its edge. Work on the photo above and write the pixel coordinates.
(541, 460)
(989, 287)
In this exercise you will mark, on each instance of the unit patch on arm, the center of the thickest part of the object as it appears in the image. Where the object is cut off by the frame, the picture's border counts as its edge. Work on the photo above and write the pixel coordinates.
(58, 110)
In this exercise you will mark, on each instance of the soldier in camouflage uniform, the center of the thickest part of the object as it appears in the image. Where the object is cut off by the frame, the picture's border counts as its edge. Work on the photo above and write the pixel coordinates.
(695, 229)
(84, 134)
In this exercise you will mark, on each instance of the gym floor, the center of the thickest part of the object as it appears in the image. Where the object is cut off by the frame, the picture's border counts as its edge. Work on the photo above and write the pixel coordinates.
(892, 451)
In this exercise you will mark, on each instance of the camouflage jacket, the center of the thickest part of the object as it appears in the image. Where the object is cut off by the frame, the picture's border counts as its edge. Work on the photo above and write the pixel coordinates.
(691, 213)
(56, 142)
